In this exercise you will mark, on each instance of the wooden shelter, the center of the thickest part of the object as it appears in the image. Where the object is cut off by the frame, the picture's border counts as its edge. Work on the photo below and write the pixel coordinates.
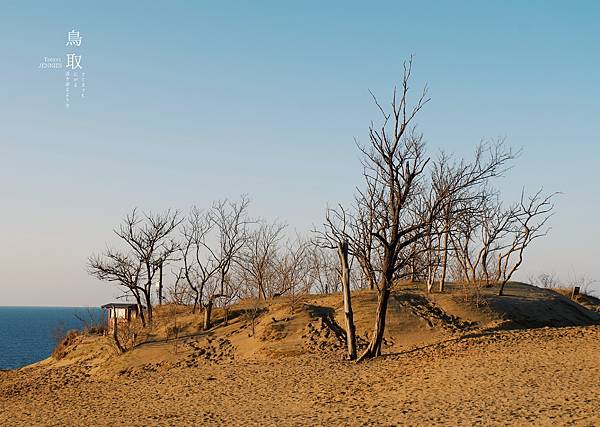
(120, 312)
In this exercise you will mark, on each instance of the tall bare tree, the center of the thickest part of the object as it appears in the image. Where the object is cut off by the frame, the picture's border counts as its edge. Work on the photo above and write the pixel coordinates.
(386, 218)
(231, 222)
(530, 219)
(294, 270)
(259, 256)
(148, 237)
(463, 185)
(123, 269)
(200, 263)
(489, 244)
(324, 267)
(407, 204)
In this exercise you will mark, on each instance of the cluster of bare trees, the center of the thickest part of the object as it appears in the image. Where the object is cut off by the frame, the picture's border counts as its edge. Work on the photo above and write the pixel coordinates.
(212, 257)
(416, 217)
(148, 246)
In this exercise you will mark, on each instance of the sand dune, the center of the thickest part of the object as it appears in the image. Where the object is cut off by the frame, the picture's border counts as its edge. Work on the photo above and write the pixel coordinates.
(448, 361)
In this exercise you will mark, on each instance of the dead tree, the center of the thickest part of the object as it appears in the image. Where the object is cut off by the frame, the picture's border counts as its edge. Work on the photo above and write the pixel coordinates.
(294, 270)
(206, 325)
(160, 282)
(490, 241)
(120, 268)
(200, 262)
(324, 269)
(530, 220)
(384, 215)
(258, 258)
(345, 278)
(148, 237)
(231, 224)
(401, 203)
(179, 293)
(463, 185)
(166, 254)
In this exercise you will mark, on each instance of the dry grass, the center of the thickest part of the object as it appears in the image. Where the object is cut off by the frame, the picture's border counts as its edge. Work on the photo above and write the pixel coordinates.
(65, 345)
(584, 298)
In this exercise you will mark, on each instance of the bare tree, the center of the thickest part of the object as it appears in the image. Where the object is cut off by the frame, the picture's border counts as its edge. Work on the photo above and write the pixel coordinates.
(200, 262)
(463, 186)
(166, 255)
(294, 270)
(386, 217)
(179, 293)
(324, 269)
(545, 280)
(150, 247)
(529, 223)
(123, 269)
(490, 241)
(583, 282)
(148, 237)
(258, 258)
(403, 209)
(231, 223)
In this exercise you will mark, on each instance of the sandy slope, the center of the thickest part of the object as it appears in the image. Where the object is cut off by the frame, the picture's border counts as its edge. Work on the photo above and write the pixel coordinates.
(544, 376)
(440, 369)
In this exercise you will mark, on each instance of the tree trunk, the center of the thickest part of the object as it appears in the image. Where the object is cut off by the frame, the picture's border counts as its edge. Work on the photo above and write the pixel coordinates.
(261, 291)
(374, 348)
(444, 260)
(201, 294)
(196, 299)
(430, 279)
(116, 335)
(148, 296)
(350, 329)
(499, 271)
(160, 284)
(140, 308)
(413, 263)
(501, 292)
(484, 265)
(430, 261)
(207, 314)
(367, 274)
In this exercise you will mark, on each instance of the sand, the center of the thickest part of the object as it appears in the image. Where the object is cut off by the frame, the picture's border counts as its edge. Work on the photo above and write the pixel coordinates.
(463, 375)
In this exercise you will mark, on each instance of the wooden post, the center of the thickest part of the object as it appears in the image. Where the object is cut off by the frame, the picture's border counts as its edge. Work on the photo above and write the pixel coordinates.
(345, 275)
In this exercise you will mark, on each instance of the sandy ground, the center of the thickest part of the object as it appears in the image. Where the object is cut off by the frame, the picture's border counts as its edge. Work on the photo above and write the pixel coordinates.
(547, 376)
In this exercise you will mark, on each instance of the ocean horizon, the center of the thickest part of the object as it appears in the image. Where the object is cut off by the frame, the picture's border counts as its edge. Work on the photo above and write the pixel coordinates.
(28, 334)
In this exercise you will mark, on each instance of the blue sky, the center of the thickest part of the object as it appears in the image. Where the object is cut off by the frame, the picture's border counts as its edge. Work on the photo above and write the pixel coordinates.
(188, 102)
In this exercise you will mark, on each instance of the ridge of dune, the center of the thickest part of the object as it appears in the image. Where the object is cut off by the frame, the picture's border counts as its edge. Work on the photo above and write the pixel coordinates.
(449, 358)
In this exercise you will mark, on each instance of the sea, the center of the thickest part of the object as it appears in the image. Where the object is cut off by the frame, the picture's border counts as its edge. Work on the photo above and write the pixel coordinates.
(29, 334)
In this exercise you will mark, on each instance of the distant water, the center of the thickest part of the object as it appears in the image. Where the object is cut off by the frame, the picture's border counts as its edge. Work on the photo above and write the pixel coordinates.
(27, 334)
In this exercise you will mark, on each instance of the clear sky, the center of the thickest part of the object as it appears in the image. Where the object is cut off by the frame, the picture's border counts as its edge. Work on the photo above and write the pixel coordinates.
(187, 102)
